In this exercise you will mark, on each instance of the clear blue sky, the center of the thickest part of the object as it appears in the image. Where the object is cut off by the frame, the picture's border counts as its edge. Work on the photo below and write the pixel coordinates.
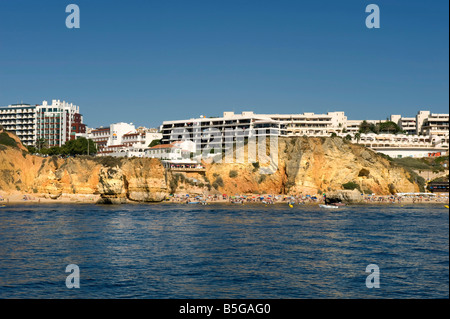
(146, 61)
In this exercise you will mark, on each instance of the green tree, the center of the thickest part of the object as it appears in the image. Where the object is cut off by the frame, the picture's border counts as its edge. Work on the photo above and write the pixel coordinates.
(364, 127)
(41, 143)
(389, 127)
(80, 146)
(32, 149)
(154, 143)
(348, 137)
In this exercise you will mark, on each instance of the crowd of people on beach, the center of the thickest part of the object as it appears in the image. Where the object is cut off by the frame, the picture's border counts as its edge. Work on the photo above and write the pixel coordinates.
(399, 199)
(241, 199)
(301, 199)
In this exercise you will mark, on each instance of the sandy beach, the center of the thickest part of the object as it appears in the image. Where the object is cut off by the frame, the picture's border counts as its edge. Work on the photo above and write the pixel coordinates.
(267, 199)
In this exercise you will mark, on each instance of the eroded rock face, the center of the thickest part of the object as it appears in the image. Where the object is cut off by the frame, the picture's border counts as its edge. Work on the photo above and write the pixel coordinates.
(145, 180)
(304, 166)
(316, 165)
(142, 180)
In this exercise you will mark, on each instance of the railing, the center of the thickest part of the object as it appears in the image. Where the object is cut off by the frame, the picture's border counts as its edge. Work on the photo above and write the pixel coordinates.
(186, 169)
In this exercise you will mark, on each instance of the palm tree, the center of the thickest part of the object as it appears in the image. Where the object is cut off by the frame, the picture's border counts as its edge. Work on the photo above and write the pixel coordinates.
(41, 143)
(357, 137)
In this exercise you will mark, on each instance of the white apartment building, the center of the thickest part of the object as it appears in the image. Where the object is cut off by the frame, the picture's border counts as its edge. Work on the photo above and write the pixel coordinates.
(427, 133)
(56, 123)
(311, 124)
(407, 124)
(436, 125)
(109, 139)
(21, 120)
(425, 123)
(122, 139)
(141, 137)
(404, 145)
(117, 132)
(174, 152)
(215, 132)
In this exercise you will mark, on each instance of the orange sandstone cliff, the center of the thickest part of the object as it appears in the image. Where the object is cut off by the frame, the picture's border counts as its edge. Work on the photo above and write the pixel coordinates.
(304, 166)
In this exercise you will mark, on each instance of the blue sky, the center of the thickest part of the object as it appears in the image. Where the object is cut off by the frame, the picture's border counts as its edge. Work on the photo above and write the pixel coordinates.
(145, 61)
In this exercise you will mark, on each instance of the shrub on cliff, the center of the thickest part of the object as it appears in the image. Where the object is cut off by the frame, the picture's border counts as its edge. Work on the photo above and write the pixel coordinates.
(6, 140)
(108, 161)
(218, 182)
(233, 174)
(261, 179)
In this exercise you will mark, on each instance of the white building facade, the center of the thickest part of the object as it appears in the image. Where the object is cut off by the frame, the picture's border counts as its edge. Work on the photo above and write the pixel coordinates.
(56, 123)
(426, 134)
(122, 139)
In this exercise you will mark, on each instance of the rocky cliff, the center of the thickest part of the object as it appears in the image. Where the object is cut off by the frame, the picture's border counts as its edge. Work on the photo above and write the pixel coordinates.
(305, 166)
(114, 180)
(315, 165)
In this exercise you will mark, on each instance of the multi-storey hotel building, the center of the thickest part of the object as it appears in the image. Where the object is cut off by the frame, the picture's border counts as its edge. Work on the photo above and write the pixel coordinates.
(56, 123)
(311, 124)
(216, 132)
(426, 134)
(21, 120)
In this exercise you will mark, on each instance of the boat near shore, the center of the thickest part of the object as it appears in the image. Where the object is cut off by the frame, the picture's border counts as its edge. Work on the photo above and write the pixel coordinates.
(328, 206)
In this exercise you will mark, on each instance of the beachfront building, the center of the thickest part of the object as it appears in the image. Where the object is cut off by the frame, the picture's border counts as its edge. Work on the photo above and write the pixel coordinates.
(217, 132)
(425, 123)
(427, 134)
(109, 139)
(100, 136)
(404, 145)
(311, 124)
(122, 139)
(141, 138)
(55, 123)
(173, 152)
(407, 124)
(306, 124)
(436, 125)
(20, 119)
(58, 122)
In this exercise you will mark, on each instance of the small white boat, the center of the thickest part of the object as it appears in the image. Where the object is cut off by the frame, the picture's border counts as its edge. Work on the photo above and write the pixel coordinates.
(328, 206)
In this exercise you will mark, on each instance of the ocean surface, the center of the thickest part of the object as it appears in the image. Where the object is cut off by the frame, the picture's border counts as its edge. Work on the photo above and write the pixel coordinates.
(223, 251)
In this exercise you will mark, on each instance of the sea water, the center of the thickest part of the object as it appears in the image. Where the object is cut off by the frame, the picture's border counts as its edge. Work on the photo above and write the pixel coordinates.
(224, 251)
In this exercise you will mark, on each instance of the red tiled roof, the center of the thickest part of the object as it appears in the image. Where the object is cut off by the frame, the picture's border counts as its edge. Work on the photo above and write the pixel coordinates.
(162, 146)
